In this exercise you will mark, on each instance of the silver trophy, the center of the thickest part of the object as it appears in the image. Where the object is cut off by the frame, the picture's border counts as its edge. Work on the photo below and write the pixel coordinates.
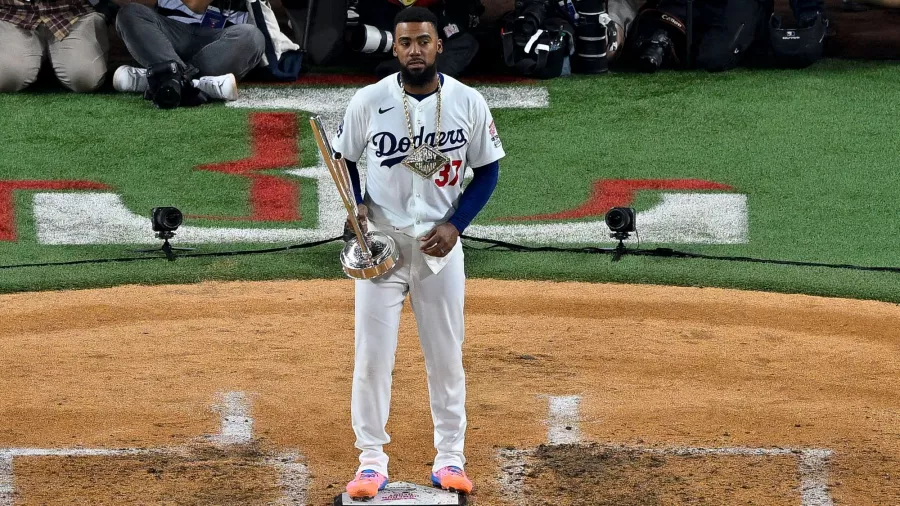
(370, 254)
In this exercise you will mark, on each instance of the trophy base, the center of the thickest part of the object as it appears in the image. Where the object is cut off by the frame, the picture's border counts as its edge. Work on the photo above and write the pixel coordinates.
(382, 259)
(402, 493)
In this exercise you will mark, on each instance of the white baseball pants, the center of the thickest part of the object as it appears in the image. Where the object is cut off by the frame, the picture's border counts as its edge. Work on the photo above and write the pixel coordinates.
(437, 302)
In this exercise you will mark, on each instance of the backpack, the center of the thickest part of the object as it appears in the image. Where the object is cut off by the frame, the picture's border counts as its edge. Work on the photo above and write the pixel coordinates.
(537, 47)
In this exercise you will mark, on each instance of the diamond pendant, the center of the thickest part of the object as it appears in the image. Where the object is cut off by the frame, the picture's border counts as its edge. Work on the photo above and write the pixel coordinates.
(425, 161)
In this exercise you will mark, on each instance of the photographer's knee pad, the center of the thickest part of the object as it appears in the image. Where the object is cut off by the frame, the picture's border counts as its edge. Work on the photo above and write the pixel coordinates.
(797, 47)
(166, 84)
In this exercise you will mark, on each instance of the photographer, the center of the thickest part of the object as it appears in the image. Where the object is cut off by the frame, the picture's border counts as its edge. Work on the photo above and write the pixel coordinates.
(191, 50)
(724, 33)
(455, 19)
(70, 32)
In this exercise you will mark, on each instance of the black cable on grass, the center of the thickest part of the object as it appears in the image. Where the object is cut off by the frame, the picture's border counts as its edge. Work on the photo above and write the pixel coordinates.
(493, 246)
(190, 255)
(665, 252)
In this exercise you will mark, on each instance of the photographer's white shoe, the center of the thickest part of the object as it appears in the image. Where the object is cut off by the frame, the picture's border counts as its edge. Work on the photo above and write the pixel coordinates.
(130, 79)
(218, 87)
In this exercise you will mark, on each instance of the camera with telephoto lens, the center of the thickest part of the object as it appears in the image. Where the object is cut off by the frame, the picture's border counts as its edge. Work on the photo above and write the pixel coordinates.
(652, 51)
(165, 85)
(532, 15)
(591, 40)
(371, 39)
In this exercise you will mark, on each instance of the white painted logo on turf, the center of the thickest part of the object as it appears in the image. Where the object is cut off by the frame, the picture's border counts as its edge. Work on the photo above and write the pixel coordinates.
(103, 218)
(685, 218)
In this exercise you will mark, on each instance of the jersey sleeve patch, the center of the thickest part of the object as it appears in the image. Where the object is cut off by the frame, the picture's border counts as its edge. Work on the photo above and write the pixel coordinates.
(495, 137)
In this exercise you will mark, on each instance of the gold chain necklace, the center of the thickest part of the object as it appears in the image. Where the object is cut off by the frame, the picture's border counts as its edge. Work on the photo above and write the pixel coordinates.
(426, 159)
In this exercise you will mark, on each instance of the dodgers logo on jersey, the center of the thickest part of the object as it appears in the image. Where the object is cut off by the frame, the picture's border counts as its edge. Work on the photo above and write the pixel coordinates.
(340, 129)
(387, 145)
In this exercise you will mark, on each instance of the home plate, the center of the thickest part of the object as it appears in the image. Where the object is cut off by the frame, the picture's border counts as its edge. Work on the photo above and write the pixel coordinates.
(403, 493)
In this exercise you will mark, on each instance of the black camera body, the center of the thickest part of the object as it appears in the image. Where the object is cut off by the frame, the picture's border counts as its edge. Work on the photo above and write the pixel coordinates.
(532, 15)
(621, 220)
(660, 40)
(166, 84)
(652, 51)
(165, 219)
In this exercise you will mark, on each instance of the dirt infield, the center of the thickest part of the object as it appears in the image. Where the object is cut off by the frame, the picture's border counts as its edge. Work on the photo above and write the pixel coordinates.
(238, 393)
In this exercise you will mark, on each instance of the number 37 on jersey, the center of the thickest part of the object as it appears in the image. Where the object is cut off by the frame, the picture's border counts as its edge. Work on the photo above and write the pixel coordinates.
(449, 174)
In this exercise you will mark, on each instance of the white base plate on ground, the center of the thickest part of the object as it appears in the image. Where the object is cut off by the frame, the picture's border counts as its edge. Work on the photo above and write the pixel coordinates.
(402, 493)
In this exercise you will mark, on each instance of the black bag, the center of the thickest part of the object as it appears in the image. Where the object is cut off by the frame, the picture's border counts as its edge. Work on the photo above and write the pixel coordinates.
(728, 31)
(327, 23)
(723, 33)
(537, 42)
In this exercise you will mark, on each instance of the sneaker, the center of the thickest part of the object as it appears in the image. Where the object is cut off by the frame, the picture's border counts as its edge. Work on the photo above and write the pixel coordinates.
(452, 478)
(366, 484)
(218, 87)
(130, 79)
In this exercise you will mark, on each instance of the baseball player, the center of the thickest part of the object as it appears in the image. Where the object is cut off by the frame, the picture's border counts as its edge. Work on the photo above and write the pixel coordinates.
(419, 130)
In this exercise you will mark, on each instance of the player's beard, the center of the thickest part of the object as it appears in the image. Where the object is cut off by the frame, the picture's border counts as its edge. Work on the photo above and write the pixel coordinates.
(419, 77)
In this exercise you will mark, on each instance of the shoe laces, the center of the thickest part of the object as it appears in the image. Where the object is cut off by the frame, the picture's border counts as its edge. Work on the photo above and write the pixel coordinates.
(454, 470)
(369, 474)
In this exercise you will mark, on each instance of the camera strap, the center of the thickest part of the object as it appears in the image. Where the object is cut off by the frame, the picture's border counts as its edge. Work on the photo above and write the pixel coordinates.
(525, 66)
(534, 39)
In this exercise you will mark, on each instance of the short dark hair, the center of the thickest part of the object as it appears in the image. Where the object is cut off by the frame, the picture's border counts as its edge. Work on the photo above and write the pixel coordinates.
(416, 15)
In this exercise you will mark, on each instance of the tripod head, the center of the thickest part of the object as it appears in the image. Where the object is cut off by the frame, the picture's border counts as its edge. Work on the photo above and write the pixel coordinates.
(166, 248)
(620, 248)
(620, 236)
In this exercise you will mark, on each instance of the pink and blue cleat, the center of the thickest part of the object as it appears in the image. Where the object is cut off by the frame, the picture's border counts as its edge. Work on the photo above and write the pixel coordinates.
(452, 478)
(366, 485)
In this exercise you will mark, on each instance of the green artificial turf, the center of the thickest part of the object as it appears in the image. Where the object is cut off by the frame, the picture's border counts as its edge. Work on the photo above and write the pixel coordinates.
(814, 150)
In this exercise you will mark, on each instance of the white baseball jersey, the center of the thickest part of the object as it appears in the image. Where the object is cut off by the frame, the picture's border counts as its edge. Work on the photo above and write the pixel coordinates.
(375, 123)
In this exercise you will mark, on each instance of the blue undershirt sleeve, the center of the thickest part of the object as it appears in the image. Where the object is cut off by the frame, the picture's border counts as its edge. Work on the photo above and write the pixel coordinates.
(354, 179)
(476, 195)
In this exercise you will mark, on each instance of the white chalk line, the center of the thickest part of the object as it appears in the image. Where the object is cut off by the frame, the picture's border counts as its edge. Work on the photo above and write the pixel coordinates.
(563, 421)
(512, 463)
(236, 429)
(294, 478)
(237, 424)
(7, 487)
(563, 429)
(812, 466)
(814, 478)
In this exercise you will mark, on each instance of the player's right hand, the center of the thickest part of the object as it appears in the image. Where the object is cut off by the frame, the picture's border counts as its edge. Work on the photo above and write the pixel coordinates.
(362, 213)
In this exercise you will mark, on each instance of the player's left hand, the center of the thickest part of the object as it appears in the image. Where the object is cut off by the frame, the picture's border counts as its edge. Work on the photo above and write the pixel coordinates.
(440, 240)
